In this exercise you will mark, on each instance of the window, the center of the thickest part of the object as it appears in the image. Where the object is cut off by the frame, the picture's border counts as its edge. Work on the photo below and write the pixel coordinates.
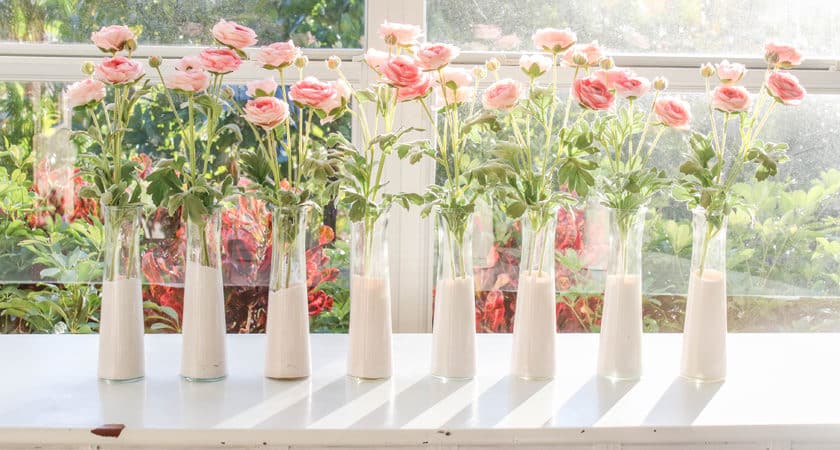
(786, 258)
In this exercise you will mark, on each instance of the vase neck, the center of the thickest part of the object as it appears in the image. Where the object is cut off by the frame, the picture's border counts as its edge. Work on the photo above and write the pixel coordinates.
(369, 247)
(626, 238)
(454, 239)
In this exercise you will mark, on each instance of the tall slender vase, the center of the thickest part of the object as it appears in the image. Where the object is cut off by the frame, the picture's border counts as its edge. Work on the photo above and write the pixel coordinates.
(535, 322)
(121, 356)
(369, 354)
(287, 323)
(620, 349)
(453, 333)
(704, 335)
(203, 356)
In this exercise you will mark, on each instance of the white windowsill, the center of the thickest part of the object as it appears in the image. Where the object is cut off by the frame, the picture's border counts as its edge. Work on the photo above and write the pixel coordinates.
(781, 388)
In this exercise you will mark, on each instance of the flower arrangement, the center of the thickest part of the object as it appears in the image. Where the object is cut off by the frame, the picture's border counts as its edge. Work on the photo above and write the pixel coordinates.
(712, 168)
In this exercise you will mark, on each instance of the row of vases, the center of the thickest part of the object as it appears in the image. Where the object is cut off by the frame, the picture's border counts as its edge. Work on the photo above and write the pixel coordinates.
(121, 354)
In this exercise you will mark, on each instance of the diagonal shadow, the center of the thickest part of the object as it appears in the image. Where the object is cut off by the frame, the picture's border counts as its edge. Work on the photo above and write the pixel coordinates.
(496, 402)
(410, 403)
(591, 402)
(682, 403)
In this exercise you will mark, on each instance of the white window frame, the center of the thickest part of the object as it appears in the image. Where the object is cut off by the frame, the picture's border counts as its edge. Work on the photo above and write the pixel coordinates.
(411, 238)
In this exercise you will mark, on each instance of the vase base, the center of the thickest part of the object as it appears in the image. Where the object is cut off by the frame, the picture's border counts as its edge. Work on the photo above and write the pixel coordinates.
(701, 380)
(447, 379)
(203, 380)
(278, 378)
(121, 380)
(534, 378)
(618, 378)
(359, 379)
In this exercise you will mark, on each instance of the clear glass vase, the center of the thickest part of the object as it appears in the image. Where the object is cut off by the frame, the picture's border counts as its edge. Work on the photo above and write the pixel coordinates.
(704, 334)
(287, 322)
(453, 332)
(203, 357)
(535, 321)
(620, 349)
(121, 328)
(369, 352)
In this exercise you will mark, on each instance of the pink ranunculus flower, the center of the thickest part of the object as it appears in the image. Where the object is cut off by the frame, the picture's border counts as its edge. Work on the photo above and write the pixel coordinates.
(613, 76)
(436, 56)
(375, 58)
(266, 112)
(673, 112)
(188, 63)
(502, 95)
(313, 93)
(400, 34)
(401, 71)
(729, 98)
(554, 40)
(592, 93)
(219, 60)
(119, 70)
(112, 38)
(534, 65)
(783, 55)
(277, 55)
(729, 73)
(419, 90)
(341, 97)
(461, 77)
(632, 87)
(84, 92)
(448, 97)
(591, 51)
(785, 88)
(192, 80)
(261, 88)
(234, 35)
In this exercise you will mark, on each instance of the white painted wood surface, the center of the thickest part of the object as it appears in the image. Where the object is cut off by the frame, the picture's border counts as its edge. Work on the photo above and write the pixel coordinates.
(782, 393)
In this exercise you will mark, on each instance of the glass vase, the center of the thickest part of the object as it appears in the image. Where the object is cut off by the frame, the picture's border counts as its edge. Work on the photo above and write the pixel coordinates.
(203, 356)
(121, 328)
(620, 348)
(704, 335)
(287, 322)
(369, 352)
(535, 321)
(453, 331)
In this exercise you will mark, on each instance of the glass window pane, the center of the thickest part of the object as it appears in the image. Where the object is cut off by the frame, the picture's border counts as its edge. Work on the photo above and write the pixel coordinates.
(51, 249)
(784, 260)
(642, 26)
(311, 23)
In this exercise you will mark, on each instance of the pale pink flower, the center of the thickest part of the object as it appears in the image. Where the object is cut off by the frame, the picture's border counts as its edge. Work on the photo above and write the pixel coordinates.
(266, 112)
(785, 88)
(728, 72)
(234, 35)
(436, 56)
(341, 97)
(219, 60)
(728, 98)
(554, 40)
(266, 87)
(592, 93)
(84, 92)
(592, 52)
(118, 70)
(277, 55)
(534, 65)
(401, 71)
(673, 112)
(192, 80)
(400, 34)
(448, 97)
(632, 86)
(112, 38)
(313, 93)
(460, 77)
(502, 95)
(783, 55)
(375, 58)
(188, 63)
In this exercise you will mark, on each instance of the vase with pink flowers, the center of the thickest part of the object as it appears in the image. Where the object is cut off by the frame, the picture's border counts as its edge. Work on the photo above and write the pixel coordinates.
(116, 186)
(715, 163)
(196, 183)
